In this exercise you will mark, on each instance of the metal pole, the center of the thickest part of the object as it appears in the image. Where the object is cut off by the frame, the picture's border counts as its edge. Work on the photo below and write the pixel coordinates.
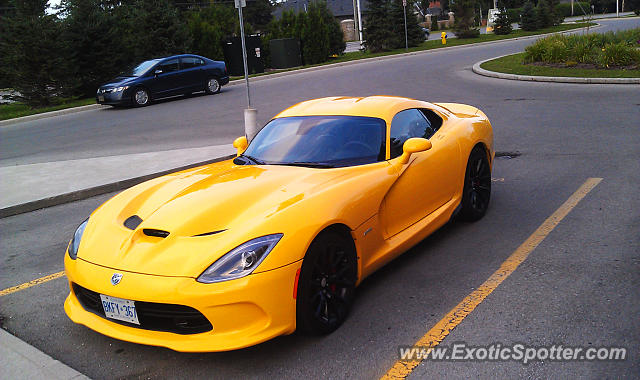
(360, 23)
(244, 57)
(406, 39)
(617, 9)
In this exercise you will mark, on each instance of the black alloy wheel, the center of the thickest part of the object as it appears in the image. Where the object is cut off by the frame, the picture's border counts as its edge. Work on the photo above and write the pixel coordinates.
(326, 286)
(477, 186)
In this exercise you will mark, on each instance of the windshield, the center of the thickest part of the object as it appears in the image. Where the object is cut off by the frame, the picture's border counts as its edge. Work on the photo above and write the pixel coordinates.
(141, 68)
(319, 141)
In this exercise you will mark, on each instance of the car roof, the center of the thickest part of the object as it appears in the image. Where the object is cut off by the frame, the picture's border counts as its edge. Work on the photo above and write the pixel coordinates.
(380, 106)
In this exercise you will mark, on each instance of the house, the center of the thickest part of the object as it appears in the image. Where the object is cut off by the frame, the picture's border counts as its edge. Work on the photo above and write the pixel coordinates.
(341, 9)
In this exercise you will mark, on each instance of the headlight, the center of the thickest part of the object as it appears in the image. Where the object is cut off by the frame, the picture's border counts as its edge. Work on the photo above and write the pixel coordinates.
(121, 88)
(75, 242)
(241, 260)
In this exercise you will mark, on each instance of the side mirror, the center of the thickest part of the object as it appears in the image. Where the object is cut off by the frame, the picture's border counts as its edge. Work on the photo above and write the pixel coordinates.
(158, 72)
(413, 145)
(240, 144)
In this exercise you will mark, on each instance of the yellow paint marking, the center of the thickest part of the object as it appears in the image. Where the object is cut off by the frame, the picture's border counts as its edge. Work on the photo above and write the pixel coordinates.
(29, 284)
(433, 337)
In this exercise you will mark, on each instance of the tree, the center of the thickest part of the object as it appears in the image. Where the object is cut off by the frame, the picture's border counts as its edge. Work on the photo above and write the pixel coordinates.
(376, 26)
(384, 27)
(93, 51)
(29, 52)
(258, 13)
(503, 23)
(529, 19)
(315, 37)
(336, 37)
(154, 29)
(464, 19)
(208, 27)
(415, 35)
(543, 15)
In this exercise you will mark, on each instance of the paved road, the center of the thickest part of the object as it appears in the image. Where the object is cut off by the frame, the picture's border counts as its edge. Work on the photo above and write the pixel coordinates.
(578, 288)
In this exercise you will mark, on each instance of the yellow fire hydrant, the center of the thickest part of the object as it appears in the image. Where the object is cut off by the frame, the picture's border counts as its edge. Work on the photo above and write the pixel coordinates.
(443, 36)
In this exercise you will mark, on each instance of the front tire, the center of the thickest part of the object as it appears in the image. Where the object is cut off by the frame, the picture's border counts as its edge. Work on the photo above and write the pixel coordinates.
(477, 186)
(141, 97)
(326, 287)
(212, 86)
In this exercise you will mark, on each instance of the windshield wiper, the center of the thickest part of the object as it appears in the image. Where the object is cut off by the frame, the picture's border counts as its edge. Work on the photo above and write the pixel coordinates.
(253, 159)
(310, 164)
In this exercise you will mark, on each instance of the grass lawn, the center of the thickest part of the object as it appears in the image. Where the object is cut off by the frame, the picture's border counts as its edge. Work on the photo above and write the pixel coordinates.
(436, 44)
(512, 64)
(13, 110)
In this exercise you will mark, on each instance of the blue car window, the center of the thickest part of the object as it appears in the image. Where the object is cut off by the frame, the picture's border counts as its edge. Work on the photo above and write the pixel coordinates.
(405, 125)
(169, 65)
(190, 62)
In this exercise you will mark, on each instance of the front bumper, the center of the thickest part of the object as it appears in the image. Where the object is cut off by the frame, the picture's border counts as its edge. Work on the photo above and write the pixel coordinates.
(114, 98)
(243, 312)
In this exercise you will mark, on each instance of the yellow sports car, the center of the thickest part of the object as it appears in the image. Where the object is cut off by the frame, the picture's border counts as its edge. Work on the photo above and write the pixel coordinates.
(231, 254)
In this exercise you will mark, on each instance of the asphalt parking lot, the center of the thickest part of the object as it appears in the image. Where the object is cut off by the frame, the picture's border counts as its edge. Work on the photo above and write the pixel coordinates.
(577, 287)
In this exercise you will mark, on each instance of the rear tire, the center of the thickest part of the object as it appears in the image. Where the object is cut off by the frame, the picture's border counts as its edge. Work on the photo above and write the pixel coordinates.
(477, 186)
(212, 86)
(326, 286)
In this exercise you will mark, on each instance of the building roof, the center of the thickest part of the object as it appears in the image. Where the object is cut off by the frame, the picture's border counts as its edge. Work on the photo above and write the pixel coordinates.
(339, 8)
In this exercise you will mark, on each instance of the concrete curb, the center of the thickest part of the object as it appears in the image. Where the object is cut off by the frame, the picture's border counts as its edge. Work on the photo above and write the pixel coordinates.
(45, 115)
(20, 360)
(94, 191)
(292, 72)
(532, 78)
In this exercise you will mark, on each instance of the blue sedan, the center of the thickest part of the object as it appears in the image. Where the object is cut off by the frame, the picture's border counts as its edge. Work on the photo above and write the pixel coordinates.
(164, 77)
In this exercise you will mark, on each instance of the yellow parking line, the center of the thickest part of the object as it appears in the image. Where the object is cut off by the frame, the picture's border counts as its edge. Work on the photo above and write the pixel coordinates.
(402, 369)
(29, 284)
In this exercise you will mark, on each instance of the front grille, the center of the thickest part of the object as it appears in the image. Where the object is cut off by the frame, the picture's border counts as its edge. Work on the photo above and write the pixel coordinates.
(177, 319)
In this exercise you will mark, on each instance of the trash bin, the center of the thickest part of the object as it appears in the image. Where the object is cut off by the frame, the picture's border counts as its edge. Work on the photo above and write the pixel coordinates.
(232, 49)
(285, 53)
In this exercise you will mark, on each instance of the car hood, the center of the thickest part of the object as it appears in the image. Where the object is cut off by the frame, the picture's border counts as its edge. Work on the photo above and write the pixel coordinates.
(119, 81)
(206, 212)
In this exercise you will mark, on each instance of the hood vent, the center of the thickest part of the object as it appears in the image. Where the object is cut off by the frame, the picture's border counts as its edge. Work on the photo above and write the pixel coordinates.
(209, 233)
(132, 222)
(155, 233)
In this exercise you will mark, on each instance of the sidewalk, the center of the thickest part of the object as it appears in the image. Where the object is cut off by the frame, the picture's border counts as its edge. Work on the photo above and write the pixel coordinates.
(19, 360)
(29, 187)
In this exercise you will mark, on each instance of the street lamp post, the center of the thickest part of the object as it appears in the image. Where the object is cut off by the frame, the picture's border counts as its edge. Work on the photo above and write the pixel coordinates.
(250, 123)
(406, 39)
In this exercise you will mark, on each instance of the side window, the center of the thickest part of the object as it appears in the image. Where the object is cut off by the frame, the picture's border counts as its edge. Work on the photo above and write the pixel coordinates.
(405, 125)
(189, 62)
(434, 120)
(169, 66)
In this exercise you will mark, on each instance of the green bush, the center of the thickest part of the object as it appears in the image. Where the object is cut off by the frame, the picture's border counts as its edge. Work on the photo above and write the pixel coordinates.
(618, 54)
(514, 14)
(606, 50)
(503, 24)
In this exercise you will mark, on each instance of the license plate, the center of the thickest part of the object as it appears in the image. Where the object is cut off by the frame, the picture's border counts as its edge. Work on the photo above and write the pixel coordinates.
(101, 98)
(120, 309)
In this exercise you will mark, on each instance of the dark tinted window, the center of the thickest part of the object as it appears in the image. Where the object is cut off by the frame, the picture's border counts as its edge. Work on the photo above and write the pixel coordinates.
(169, 66)
(141, 68)
(189, 62)
(334, 141)
(405, 125)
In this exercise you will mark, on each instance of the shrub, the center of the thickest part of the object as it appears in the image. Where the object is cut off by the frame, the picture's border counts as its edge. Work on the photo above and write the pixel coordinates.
(514, 14)
(618, 54)
(583, 52)
(534, 53)
(556, 51)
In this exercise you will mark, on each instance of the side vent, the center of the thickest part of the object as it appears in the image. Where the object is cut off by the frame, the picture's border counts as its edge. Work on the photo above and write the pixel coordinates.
(155, 233)
(132, 222)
